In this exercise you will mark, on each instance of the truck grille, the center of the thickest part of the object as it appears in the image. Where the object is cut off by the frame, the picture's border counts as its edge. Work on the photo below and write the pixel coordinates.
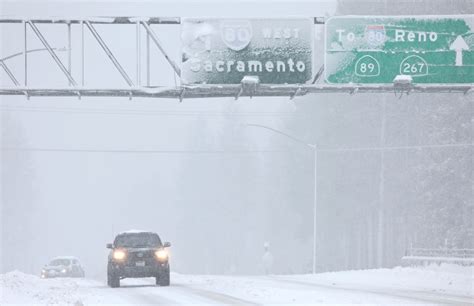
(147, 256)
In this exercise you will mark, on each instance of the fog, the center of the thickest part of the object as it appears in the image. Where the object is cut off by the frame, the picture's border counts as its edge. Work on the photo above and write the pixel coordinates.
(391, 172)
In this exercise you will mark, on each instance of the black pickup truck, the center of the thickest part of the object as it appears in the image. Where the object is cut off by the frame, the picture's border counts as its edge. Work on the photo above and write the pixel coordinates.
(138, 254)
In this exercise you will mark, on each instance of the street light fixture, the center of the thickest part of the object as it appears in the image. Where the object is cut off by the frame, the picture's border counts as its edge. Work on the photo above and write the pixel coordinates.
(315, 200)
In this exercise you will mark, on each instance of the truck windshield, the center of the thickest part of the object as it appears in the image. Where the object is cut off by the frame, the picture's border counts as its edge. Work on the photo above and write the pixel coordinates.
(138, 240)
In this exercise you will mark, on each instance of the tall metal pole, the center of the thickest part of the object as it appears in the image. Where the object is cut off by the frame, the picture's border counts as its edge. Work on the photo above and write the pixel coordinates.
(147, 59)
(381, 207)
(315, 206)
(25, 52)
(82, 53)
(69, 50)
(139, 51)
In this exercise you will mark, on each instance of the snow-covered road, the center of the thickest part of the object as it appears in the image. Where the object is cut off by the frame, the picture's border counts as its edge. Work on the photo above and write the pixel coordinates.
(435, 285)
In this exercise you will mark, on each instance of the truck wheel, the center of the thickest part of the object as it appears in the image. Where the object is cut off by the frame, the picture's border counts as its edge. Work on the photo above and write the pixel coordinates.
(113, 280)
(163, 279)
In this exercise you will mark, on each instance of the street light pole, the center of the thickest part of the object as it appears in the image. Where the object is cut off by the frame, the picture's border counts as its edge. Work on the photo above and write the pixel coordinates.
(315, 200)
(315, 205)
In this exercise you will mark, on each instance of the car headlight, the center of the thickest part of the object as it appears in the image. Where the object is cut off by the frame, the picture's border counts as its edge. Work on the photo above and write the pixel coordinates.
(63, 271)
(119, 255)
(161, 255)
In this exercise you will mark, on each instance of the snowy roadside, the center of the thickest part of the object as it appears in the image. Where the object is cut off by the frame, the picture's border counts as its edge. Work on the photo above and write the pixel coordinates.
(429, 285)
(446, 278)
(17, 288)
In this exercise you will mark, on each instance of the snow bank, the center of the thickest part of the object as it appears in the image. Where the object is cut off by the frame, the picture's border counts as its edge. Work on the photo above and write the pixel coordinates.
(17, 288)
(430, 285)
(443, 284)
(444, 278)
(21, 288)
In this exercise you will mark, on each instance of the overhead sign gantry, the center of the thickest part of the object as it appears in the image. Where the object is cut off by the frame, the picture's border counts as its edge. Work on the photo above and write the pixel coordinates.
(253, 57)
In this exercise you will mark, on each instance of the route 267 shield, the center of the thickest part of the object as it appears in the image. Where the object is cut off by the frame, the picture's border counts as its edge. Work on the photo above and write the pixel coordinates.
(236, 34)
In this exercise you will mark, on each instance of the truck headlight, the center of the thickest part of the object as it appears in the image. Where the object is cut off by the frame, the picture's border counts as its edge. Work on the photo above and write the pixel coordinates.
(63, 270)
(119, 255)
(161, 255)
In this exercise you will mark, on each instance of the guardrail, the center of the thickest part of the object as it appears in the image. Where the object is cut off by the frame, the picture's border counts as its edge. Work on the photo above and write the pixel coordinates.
(424, 256)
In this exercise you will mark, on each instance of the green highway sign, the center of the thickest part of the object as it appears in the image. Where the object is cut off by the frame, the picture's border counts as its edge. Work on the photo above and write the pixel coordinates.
(430, 49)
(224, 51)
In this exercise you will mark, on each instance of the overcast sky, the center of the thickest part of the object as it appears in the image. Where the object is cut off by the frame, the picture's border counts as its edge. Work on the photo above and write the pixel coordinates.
(239, 8)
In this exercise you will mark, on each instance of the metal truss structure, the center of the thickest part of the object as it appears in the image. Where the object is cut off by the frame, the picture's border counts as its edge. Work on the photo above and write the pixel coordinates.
(136, 88)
